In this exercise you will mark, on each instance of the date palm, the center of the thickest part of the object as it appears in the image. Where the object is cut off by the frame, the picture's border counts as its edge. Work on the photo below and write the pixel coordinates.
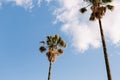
(98, 8)
(53, 47)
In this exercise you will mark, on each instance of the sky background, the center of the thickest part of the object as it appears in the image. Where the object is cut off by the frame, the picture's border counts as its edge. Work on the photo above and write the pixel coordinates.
(24, 23)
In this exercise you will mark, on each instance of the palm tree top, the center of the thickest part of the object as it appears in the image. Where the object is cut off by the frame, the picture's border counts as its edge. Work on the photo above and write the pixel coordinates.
(98, 1)
(53, 47)
(98, 8)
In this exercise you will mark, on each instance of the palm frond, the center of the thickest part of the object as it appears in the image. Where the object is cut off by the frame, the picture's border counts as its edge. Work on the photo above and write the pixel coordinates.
(110, 7)
(56, 36)
(42, 42)
(83, 10)
(106, 1)
(42, 49)
(60, 51)
(62, 44)
(92, 17)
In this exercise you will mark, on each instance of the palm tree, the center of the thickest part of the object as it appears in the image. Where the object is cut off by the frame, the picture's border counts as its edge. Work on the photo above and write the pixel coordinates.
(53, 48)
(98, 8)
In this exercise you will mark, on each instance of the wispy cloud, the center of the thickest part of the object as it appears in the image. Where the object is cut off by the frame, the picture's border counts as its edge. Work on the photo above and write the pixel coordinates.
(48, 1)
(27, 4)
(85, 33)
(0, 4)
(39, 3)
(118, 54)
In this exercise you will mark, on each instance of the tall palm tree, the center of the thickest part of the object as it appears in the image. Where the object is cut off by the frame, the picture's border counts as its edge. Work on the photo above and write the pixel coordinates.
(98, 8)
(53, 47)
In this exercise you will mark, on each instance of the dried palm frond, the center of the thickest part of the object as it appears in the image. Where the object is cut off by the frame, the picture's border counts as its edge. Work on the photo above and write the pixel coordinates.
(104, 9)
(106, 1)
(98, 15)
(51, 56)
(92, 17)
(54, 57)
(83, 10)
(48, 56)
(101, 11)
(42, 49)
(110, 7)
(62, 44)
(60, 51)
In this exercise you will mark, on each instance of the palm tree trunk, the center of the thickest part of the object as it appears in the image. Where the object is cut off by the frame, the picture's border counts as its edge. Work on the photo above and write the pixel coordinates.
(105, 52)
(50, 69)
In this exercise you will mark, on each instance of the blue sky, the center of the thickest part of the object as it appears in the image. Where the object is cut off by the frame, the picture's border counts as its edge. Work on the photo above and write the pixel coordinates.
(24, 23)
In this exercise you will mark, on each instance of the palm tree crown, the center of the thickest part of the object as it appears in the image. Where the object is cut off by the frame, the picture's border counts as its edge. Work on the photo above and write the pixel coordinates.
(98, 8)
(53, 46)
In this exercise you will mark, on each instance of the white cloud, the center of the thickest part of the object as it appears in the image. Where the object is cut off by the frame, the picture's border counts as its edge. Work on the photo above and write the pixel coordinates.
(85, 33)
(48, 1)
(27, 4)
(112, 23)
(39, 3)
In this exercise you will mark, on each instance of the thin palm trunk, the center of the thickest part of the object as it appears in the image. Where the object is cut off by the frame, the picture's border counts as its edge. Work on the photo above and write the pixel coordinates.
(105, 52)
(50, 69)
